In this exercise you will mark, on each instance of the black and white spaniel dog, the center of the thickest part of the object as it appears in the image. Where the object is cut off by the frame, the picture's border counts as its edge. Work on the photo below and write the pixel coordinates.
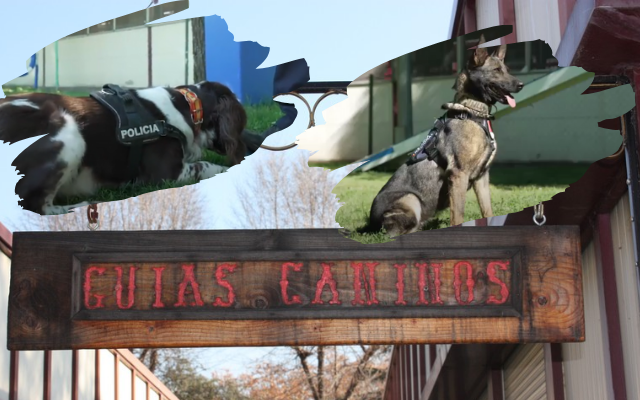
(81, 152)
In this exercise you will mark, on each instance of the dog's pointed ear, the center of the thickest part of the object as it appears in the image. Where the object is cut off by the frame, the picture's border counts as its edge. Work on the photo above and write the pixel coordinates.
(501, 52)
(479, 57)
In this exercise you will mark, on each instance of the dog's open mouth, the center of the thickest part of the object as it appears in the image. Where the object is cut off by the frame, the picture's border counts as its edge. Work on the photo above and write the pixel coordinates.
(508, 99)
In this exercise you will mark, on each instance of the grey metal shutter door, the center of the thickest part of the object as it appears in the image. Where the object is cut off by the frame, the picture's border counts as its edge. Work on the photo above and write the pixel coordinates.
(524, 374)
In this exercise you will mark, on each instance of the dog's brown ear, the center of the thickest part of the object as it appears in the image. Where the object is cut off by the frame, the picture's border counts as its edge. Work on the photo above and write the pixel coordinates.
(232, 119)
(479, 57)
(501, 52)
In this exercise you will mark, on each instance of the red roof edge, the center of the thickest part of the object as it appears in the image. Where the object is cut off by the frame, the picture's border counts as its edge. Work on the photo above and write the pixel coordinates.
(456, 16)
(6, 240)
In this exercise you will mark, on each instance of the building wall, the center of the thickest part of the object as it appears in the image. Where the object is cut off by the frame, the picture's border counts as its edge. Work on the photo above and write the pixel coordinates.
(31, 369)
(172, 49)
(5, 270)
(345, 134)
(410, 370)
(31, 372)
(86, 380)
(29, 79)
(550, 130)
(61, 367)
(627, 284)
(538, 19)
(556, 130)
(99, 58)
(524, 375)
(586, 369)
(487, 15)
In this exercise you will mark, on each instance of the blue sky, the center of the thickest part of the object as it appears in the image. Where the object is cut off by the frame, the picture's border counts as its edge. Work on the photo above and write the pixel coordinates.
(339, 39)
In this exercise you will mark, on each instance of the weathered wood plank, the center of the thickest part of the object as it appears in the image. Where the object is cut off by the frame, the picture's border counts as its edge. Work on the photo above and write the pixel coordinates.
(256, 288)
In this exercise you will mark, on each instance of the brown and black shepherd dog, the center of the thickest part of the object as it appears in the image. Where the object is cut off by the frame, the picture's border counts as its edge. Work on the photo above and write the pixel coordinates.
(465, 151)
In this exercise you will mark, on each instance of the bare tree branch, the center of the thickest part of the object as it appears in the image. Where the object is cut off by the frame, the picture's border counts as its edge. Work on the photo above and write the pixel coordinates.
(320, 355)
(302, 356)
(162, 210)
(285, 193)
(359, 372)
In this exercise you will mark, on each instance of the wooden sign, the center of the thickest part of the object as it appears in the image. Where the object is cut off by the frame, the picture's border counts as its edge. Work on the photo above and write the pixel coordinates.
(250, 288)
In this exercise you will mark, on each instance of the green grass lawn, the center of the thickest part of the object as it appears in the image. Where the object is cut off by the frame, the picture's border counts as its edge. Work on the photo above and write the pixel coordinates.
(513, 188)
(259, 118)
(18, 89)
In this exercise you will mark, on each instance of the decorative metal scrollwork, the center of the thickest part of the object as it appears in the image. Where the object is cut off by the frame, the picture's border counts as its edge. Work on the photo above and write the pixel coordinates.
(312, 113)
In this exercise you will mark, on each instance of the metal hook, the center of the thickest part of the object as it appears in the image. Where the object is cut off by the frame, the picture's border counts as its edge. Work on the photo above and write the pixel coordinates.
(92, 217)
(538, 214)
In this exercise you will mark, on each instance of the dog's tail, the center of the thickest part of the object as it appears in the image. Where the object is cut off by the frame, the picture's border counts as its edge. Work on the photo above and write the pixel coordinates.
(232, 119)
(22, 119)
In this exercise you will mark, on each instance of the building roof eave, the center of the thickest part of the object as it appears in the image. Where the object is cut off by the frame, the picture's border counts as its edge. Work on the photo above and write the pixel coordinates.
(6, 240)
(456, 17)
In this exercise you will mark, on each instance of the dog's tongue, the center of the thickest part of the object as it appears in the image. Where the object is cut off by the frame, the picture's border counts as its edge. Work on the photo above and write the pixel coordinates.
(511, 101)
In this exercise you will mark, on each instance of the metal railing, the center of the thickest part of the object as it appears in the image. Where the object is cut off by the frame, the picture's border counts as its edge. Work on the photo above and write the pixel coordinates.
(326, 89)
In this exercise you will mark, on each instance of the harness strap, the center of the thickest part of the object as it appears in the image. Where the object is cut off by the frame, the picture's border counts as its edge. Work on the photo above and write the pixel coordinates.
(137, 126)
(173, 132)
(428, 148)
(136, 115)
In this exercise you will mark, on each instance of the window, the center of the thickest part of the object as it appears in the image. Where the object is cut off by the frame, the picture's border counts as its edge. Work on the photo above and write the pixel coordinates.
(440, 58)
(541, 57)
(163, 10)
(132, 20)
(102, 27)
(81, 32)
(138, 18)
(435, 60)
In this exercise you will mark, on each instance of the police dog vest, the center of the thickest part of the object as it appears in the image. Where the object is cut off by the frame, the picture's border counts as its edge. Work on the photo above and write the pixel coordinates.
(135, 124)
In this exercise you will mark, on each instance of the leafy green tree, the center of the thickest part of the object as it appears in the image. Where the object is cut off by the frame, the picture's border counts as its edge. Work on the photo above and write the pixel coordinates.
(179, 370)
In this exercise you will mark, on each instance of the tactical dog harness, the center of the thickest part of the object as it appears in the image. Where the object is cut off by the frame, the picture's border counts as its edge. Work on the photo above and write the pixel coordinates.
(428, 148)
(137, 126)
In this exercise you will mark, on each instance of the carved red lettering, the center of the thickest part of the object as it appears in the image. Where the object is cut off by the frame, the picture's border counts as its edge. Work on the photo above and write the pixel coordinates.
(370, 289)
(158, 286)
(458, 282)
(220, 275)
(326, 279)
(437, 283)
(422, 283)
(87, 288)
(189, 279)
(400, 284)
(284, 283)
(504, 290)
(131, 288)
